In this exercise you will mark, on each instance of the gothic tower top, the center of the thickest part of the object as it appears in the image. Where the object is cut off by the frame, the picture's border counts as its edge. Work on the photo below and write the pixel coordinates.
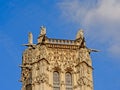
(56, 64)
(44, 39)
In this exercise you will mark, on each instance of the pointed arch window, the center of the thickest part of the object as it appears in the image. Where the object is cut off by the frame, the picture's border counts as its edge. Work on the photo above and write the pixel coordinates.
(68, 81)
(56, 80)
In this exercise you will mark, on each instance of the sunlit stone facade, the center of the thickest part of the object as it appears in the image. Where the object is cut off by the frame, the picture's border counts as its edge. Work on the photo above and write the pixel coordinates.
(56, 64)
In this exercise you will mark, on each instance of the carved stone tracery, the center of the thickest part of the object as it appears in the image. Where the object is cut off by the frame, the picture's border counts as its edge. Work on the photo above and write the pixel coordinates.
(42, 78)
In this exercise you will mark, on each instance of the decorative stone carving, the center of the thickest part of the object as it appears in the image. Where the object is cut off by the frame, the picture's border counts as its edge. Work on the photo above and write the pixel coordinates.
(80, 82)
(42, 78)
(25, 74)
(79, 34)
(84, 56)
(43, 30)
(43, 52)
(84, 81)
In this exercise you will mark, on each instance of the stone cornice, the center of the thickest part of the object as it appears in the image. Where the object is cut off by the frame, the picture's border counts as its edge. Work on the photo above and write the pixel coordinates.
(62, 46)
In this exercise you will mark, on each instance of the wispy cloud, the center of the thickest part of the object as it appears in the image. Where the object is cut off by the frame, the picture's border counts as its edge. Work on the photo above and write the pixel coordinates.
(101, 18)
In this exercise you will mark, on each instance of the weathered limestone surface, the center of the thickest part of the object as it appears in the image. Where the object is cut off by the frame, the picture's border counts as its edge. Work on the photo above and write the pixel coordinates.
(48, 55)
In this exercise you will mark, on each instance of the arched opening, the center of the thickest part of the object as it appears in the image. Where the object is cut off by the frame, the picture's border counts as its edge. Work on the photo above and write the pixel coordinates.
(56, 80)
(68, 81)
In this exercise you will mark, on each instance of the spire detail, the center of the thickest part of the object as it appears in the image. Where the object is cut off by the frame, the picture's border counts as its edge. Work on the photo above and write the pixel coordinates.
(30, 38)
(30, 41)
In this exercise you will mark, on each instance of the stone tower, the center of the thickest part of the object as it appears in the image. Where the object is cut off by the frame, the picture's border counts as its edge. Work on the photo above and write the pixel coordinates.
(56, 64)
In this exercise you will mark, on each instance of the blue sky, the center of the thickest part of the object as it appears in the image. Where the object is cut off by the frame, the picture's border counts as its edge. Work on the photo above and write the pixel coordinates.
(100, 20)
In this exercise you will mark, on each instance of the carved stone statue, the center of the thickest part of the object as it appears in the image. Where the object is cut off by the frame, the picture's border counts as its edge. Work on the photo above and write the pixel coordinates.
(80, 34)
(30, 38)
(43, 30)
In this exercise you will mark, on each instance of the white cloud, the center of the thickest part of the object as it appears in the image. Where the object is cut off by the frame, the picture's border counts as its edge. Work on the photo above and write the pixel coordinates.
(115, 49)
(100, 18)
